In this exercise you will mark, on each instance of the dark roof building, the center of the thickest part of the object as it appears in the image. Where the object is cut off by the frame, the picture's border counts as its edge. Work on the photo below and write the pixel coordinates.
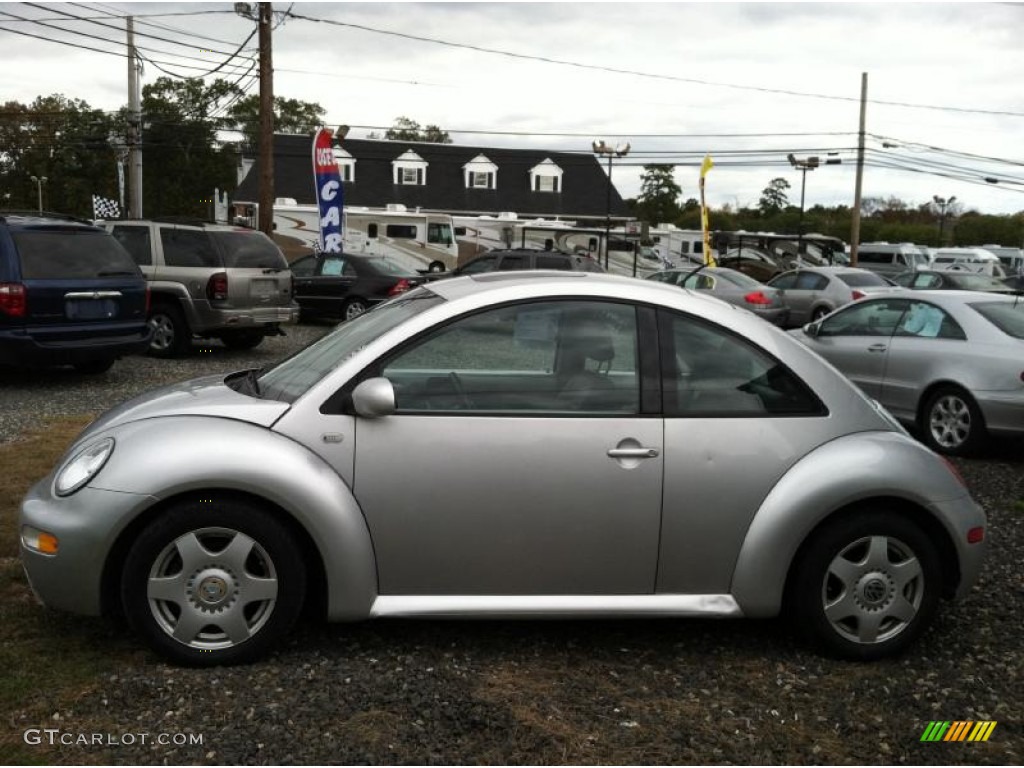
(446, 177)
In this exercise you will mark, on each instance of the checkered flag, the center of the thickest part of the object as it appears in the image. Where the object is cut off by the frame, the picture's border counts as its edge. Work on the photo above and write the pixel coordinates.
(105, 208)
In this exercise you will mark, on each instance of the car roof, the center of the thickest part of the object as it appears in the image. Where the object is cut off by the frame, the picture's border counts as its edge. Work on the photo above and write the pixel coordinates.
(27, 219)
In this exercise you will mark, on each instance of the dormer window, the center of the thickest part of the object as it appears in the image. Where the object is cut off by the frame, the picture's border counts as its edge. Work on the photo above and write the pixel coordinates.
(546, 176)
(481, 173)
(346, 164)
(410, 168)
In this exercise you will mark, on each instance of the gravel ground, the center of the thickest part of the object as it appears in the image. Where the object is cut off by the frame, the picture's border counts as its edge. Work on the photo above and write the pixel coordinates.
(640, 692)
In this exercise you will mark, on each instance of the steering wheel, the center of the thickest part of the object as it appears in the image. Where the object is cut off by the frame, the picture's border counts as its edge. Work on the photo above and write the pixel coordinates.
(460, 391)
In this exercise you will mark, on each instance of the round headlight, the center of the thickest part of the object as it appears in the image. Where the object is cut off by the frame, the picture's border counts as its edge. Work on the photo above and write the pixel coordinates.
(83, 466)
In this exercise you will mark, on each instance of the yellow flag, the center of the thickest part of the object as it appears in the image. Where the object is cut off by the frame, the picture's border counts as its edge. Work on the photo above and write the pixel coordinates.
(706, 166)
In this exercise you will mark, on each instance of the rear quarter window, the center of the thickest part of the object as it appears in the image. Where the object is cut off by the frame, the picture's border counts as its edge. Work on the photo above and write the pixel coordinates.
(188, 248)
(1006, 316)
(248, 250)
(67, 254)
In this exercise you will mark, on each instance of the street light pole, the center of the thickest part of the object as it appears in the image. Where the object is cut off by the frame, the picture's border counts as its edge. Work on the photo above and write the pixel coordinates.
(619, 150)
(943, 205)
(805, 165)
(39, 180)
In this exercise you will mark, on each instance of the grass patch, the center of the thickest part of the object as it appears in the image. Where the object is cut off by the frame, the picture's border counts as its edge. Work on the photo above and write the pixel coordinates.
(1019, 505)
(48, 659)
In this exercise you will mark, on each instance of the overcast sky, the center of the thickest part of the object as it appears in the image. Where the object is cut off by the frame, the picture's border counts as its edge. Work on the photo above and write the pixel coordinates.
(765, 78)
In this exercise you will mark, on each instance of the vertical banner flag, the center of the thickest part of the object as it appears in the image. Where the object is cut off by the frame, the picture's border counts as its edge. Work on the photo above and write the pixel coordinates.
(328, 192)
(706, 166)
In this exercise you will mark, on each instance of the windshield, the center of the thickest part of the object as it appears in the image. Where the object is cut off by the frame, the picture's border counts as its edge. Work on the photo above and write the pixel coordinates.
(249, 250)
(861, 279)
(291, 379)
(1007, 316)
(62, 253)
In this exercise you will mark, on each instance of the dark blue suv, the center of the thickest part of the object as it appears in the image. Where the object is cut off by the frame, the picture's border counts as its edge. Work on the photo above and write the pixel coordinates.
(69, 294)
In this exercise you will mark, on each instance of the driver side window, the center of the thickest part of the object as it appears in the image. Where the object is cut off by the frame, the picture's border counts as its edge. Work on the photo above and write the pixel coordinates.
(866, 318)
(572, 357)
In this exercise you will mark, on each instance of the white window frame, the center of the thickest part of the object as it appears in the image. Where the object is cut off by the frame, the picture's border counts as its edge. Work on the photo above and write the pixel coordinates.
(409, 169)
(346, 164)
(546, 177)
(480, 173)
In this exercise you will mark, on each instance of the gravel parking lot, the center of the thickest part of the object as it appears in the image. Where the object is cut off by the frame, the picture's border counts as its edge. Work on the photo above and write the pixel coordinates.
(641, 692)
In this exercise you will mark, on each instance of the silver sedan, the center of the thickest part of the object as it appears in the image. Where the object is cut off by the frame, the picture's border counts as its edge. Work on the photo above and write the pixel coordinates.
(813, 292)
(949, 362)
(509, 445)
(731, 286)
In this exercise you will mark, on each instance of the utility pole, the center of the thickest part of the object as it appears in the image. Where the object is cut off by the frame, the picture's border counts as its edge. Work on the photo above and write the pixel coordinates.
(855, 217)
(266, 141)
(134, 129)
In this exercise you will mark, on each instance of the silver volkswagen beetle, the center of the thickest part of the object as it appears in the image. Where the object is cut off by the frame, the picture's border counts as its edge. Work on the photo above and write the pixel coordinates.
(509, 445)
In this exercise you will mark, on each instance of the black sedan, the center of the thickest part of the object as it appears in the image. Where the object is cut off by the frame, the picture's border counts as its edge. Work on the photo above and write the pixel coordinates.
(344, 285)
(937, 280)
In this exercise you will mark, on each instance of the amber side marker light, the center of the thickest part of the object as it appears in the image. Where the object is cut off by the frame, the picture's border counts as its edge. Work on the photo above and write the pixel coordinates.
(40, 541)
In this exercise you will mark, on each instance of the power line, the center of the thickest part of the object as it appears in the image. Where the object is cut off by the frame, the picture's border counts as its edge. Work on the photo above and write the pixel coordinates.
(115, 13)
(636, 73)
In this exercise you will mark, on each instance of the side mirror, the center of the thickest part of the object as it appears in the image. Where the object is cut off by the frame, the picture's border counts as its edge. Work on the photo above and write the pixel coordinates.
(812, 329)
(374, 398)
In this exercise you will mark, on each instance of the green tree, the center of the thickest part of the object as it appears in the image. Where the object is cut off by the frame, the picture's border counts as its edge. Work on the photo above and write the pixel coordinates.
(406, 129)
(773, 197)
(183, 160)
(290, 116)
(659, 194)
(63, 139)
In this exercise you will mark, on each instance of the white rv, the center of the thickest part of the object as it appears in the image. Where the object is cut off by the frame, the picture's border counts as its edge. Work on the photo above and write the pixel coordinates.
(968, 260)
(420, 241)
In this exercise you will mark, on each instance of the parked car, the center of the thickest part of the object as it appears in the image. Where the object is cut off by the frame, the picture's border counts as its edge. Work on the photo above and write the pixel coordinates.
(1015, 282)
(731, 286)
(69, 294)
(811, 293)
(949, 362)
(215, 507)
(753, 262)
(343, 285)
(933, 280)
(210, 281)
(528, 258)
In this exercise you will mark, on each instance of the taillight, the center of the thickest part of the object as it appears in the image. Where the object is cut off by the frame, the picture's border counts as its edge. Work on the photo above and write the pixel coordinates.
(400, 287)
(13, 301)
(217, 287)
(858, 295)
(758, 298)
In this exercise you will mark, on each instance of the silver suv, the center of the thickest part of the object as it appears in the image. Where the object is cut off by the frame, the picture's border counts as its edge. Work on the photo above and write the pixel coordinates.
(210, 281)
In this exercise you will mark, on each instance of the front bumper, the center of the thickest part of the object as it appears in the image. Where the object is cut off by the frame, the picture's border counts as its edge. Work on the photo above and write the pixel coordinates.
(86, 525)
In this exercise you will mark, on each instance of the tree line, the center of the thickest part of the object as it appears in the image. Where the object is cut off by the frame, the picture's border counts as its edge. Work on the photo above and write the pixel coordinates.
(882, 219)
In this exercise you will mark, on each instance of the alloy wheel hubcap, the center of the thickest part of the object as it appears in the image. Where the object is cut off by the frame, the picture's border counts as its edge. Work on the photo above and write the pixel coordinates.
(163, 331)
(212, 588)
(872, 589)
(950, 421)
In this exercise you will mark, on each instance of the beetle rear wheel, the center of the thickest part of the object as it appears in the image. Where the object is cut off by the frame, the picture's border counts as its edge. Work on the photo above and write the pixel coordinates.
(213, 582)
(866, 585)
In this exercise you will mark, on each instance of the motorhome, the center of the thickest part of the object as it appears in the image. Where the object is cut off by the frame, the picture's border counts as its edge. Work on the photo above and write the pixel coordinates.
(968, 260)
(891, 259)
(1012, 258)
(420, 241)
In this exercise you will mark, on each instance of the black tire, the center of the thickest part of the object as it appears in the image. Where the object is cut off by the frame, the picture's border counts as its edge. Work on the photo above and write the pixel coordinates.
(95, 367)
(952, 423)
(869, 572)
(209, 556)
(353, 308)
(436, 266)
(171, 335)
(250, 338)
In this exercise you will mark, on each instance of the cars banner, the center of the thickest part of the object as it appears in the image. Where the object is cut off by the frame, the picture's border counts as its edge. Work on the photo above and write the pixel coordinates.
(329, 192)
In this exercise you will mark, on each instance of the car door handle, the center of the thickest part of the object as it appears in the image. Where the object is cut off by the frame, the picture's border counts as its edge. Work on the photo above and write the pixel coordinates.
(633, 453)
(878, 348)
